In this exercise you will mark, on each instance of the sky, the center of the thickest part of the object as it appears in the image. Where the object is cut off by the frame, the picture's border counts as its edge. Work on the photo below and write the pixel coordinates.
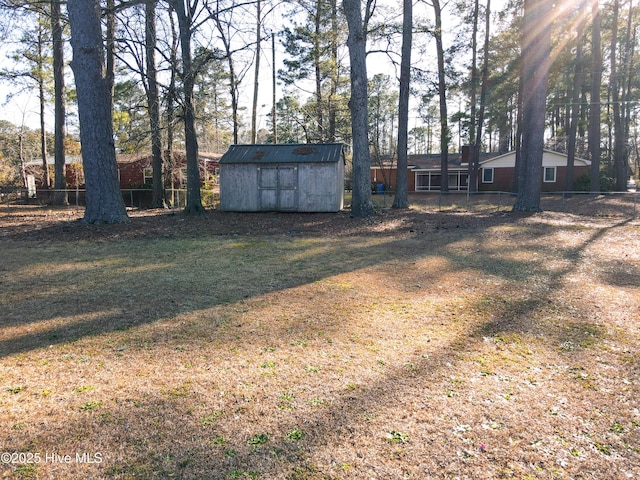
(24, 108)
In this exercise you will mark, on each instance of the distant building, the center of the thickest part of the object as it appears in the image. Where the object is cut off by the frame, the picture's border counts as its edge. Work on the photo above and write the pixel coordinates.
(134, 171)
(496, 172)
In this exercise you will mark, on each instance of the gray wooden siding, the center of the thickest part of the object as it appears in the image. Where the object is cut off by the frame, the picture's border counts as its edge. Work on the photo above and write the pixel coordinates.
(321, 188)
(255, 178)
(239, 184)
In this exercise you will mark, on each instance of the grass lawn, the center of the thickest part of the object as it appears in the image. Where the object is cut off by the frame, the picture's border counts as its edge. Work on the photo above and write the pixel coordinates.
(420, 344)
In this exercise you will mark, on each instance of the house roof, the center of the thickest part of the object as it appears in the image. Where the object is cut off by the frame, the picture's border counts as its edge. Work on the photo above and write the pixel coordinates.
(550, 158)
(284, 153)
(122, 158)
(430, 161)
(68, 160)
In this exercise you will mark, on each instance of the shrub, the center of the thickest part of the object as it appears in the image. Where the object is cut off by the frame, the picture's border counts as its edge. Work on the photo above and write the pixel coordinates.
(583, 183)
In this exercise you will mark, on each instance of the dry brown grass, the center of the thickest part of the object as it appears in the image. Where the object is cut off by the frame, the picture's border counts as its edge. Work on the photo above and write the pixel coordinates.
(421, 344)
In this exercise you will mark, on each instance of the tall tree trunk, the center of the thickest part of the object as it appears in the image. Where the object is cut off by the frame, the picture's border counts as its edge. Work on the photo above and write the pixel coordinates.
(273, 90)
(194, 202)
(536, 49)
(595, 104)
(401, 199)
(153, 102)
(46, 177)
(254, 109)
(361, 204)
(23, 170)
(626, 85)
(483, 99)
(335, 74)
(171, 106)
(318, 72)
(630, 44)
(442, 90)
(104, 203)
(517, 140)
(575, 106)
(474, 73)
(233, 82)
(60, 182)
(618, 131)
(111, 47)
(472, 178)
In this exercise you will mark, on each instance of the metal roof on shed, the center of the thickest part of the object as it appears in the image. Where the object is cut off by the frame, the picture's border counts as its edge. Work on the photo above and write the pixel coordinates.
(284, 153)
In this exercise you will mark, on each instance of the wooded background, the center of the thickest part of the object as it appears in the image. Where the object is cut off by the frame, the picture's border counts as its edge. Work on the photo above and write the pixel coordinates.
(226, 72)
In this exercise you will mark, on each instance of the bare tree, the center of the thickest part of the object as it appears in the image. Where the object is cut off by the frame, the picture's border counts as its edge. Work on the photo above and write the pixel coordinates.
(477, 120)
(40, 60)
(185, 14)
(60, 198)
(32, 70)
(575, 98)
(614, 85)
(483, 93)
(442, 90)
(153, 103)
(254, 106)
(473, 172)
(228, 27)
(620, 86)
(171, 101)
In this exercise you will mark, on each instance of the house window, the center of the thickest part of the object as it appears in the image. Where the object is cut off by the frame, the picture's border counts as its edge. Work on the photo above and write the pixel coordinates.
(422, 181)
(453, 182)
(148, 176)
(549, 174)
(487, 175)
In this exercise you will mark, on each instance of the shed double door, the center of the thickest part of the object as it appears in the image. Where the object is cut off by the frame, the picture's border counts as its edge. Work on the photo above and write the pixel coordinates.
(278, 187)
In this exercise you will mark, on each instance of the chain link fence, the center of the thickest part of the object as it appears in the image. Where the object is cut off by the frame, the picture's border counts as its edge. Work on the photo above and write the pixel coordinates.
(604, 204)
(133, 197)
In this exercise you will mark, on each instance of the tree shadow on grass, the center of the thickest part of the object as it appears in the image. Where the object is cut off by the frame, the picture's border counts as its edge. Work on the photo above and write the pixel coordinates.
(95, 289)
(60, 292)
(220, 450)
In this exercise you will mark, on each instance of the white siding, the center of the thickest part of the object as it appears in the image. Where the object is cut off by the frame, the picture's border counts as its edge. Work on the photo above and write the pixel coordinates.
(549, 159)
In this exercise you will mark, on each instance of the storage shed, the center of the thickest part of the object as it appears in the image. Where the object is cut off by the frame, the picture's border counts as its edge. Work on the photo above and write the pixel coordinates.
(282, 177)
